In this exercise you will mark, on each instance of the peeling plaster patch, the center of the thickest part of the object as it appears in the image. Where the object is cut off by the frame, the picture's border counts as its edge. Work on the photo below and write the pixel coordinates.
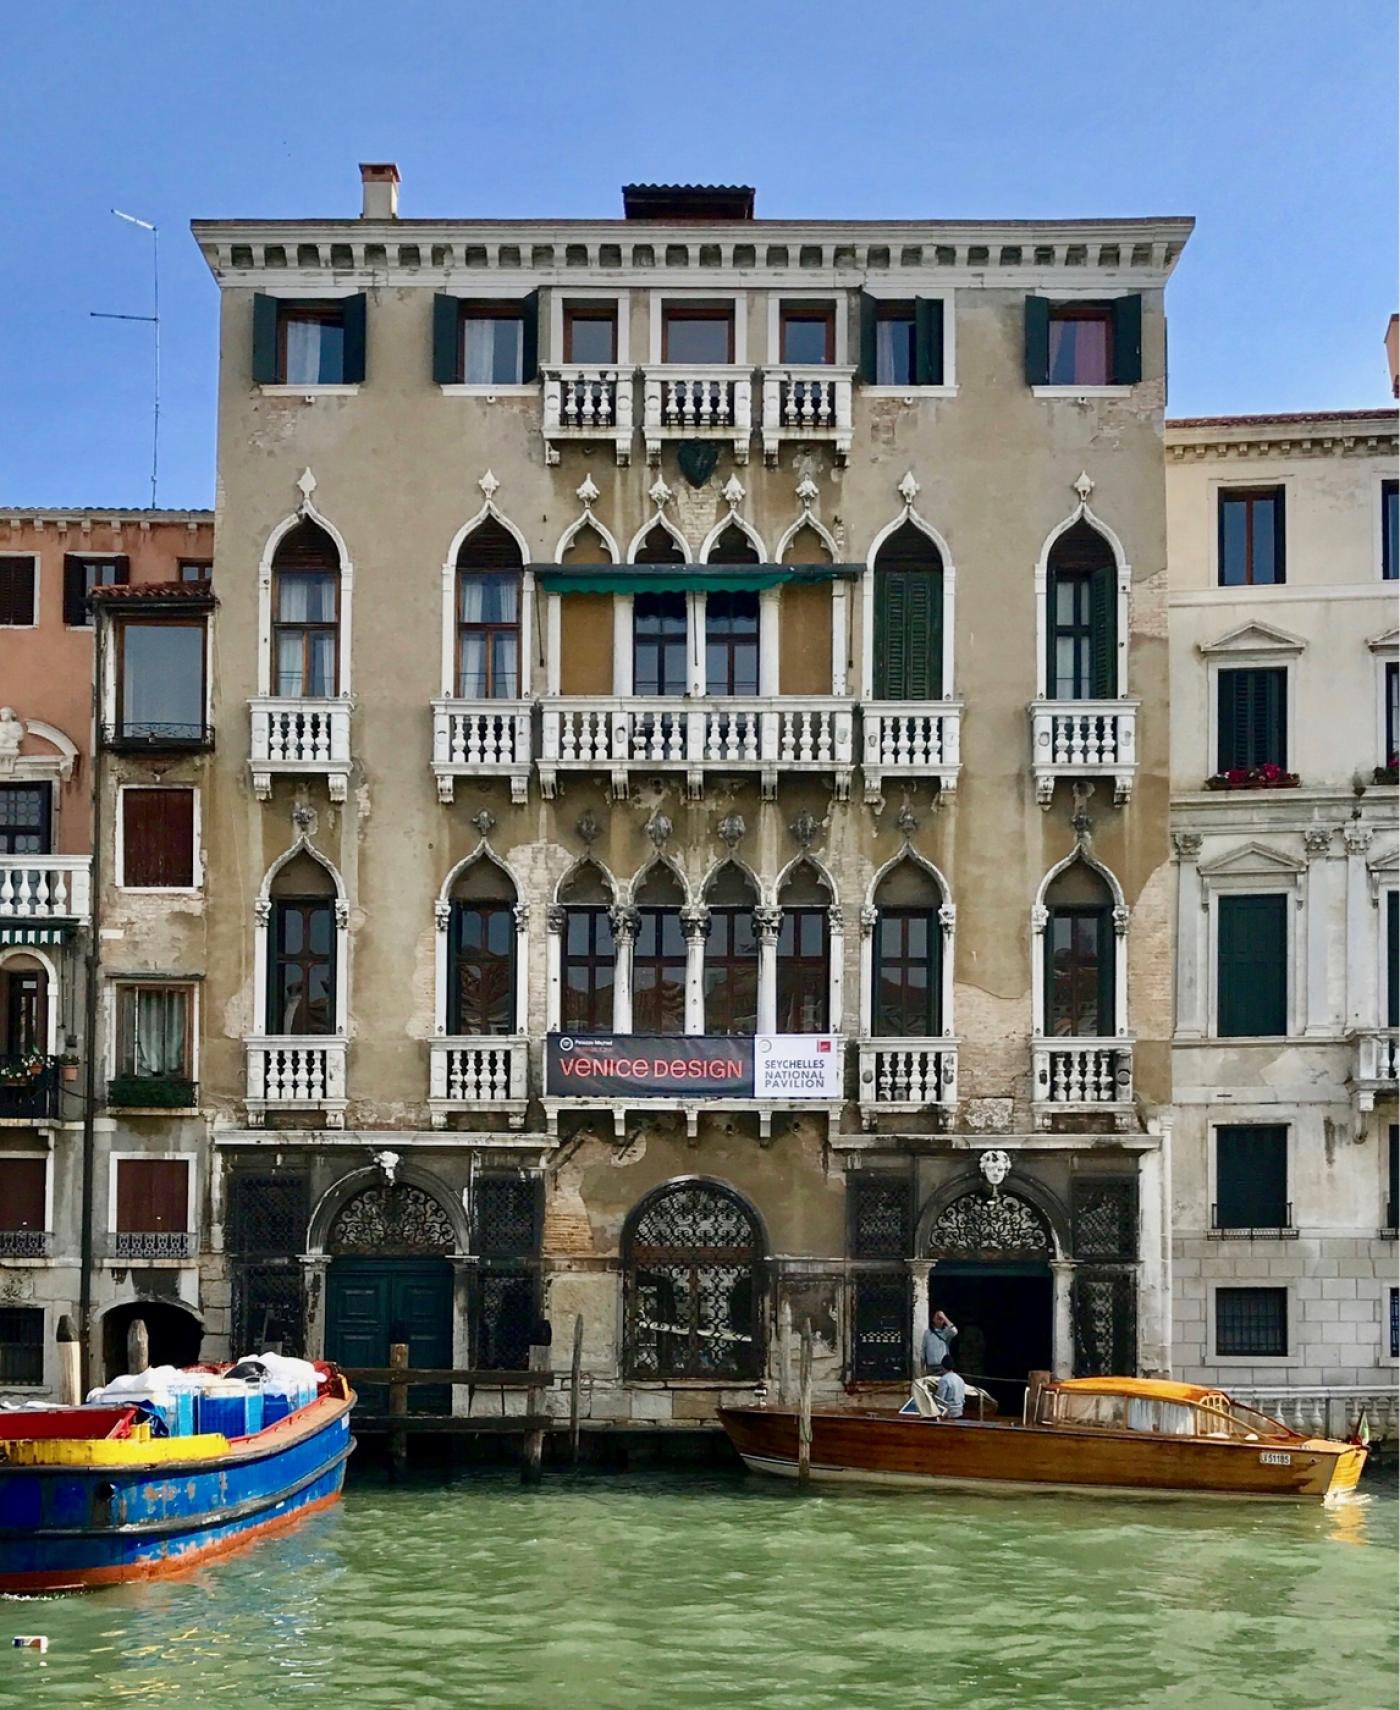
(421, 1019)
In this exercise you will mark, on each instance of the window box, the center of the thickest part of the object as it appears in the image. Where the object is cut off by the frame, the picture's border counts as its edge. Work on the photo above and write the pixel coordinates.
(28, 1086)
(151, 1092)
(1387, 774)
(1268, 777)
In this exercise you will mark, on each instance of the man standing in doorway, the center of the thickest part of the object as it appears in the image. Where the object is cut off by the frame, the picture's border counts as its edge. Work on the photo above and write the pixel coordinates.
(938, 1341)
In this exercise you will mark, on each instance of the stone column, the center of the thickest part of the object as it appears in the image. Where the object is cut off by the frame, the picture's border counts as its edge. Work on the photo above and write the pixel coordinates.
(315, 1275)
(695, 924)
(1190, 976)
(869, 914)
(624, 923)
(554, 969)
(1062, 1271)
(768, 923)
(768, 642)
(622, 644)
(919, 1291)
(1363, 1010)
(1317, 1021)
(521, 912)
(1154, 1304)
(839, 626)
(836, 955)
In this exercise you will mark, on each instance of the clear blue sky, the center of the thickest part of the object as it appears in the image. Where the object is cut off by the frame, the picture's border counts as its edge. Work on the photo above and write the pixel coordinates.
(1272, 121)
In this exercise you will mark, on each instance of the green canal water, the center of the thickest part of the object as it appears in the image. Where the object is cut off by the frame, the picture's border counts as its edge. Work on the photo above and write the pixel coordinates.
(650, 1591)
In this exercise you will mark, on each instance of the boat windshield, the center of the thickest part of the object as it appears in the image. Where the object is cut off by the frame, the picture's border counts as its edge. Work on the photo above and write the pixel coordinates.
(1159, 1417)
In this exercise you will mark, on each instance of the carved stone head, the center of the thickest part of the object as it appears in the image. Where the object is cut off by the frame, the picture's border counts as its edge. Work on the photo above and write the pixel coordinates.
(995, 1167)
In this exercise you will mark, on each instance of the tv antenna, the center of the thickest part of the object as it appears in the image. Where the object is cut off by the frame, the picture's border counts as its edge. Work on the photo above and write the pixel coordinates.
(153, 321)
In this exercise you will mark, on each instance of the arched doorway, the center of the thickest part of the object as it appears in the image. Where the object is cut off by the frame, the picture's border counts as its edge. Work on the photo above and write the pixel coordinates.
(390, 1281)
(993, 1279)
(173, 1332)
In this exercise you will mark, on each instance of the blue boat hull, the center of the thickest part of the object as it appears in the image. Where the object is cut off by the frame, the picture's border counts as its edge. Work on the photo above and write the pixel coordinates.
(69, 1528)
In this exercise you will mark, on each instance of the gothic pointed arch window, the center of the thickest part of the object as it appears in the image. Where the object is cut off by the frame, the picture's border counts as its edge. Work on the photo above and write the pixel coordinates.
(693, 1256)
(587, 954)
(1080, 955)
(306, 614)
(907, 960)
(481, 952)
(658, 955)
(908, 661)
(489, 569)
(659, 628)
(804, 952)
(731, 953)
(731, 622)
(302, 950)
(1082, 607)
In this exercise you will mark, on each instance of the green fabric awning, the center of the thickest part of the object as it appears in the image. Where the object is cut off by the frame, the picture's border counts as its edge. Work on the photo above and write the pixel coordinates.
(681, 578)
(34, 934)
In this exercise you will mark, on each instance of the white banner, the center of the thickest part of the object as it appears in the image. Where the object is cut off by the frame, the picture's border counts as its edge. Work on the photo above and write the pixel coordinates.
(798, 1066)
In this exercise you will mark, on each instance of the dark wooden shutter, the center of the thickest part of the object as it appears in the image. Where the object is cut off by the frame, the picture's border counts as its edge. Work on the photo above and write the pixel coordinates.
(75, 612)
(152, 1195)
(530, 339)
(1252, 718)
(908, 635)
(447, 321)
(1127, 340)
(1108, 987)
(158, 837)
(1251, 1177)
(1392, 958)
(928, 341)
(119, 572)
(265, 366)
(1037, 341)
(1103, 637)
(353, 361)
(1252, 966)
(17, 590)
(868, 307)
(22, 1193)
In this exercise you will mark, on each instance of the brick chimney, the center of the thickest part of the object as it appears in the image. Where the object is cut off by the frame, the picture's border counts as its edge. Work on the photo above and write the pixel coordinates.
(380, 187)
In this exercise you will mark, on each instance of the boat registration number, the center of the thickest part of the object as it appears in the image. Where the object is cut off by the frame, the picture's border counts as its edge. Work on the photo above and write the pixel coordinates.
(1271, 1458)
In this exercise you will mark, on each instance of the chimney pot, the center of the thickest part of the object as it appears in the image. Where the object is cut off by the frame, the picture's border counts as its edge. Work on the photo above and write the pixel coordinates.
(380, 187)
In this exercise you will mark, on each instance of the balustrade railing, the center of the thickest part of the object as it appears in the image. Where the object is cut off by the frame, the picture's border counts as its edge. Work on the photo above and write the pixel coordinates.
(481, 738)
(908, 1074)
(807, 403)
(1376, 1066)
(292, 1072)
(25, 1243)
(46, 887)
(911, 739)
(300, 736)
(588, 403)
(1074, 739)
(480, 1073)
(697, 402)
(151, 1244)
(1082, 1071)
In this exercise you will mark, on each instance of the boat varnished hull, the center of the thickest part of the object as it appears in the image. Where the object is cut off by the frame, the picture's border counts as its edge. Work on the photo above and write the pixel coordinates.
(66, 1528)
(997, 1455)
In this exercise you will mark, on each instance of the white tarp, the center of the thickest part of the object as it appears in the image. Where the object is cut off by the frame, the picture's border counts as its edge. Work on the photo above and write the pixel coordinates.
(798, 1066)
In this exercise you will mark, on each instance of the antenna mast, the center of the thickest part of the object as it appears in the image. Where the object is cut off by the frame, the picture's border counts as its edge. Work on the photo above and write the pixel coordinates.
(153, 321)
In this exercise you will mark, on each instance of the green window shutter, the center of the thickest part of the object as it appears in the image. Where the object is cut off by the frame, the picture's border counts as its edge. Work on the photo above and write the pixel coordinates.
(1108, 989)
(1127, 341)
(928, 341)
(1037, 341)
(1251, 967)
(447, 319)
(352, 369)
(1392, 958)
(891, 618)
(264, 339)
(1103, 640)
(908, 635)
(1252, 719)
(530, 341)
(867, 338)
(935, 975)
(1251, 1177)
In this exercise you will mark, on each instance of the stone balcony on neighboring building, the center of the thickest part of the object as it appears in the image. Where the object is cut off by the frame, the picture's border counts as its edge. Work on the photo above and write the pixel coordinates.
(466, 1075)
(697, 402)
(588, 405)
(901, 1077)
(710, 734)
(1375, 1066)
(305, 737)
(1083, 739)
(909, 740)
(295, 1073)
(1080, 1075)
(45, 890)
(806, 404)
(481, 739)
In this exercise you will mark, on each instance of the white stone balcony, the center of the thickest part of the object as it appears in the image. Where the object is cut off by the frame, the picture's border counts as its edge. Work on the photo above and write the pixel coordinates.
(716, 734)
(1081, 1074)
(588, 404)
(1375, 1066)
(488, 1073)
(696, 401)
(46, 889)
(295, 1072)
(481, 739)
(905, 740)
(303, 736)
(1083, 739)
(805, 404)
(904, 1076)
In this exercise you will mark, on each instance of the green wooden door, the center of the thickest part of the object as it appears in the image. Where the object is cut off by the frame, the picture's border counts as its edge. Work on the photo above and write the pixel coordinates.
(373, 1302)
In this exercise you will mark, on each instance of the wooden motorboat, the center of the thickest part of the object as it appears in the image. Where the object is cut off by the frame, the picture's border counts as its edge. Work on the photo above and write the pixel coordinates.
(95, 1495)
(1138, 1436)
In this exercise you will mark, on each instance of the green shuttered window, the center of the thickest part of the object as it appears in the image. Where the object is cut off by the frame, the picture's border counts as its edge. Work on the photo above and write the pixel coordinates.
(1252, 966)
(298, 342)
(908, 618)
(1109, 352)
(1252, 721)
(901, 342)
(1251, 1177)
(486, 343)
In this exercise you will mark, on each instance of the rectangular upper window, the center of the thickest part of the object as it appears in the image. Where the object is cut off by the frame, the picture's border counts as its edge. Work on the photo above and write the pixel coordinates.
(1079, 344)
(807, 333)
(152, 1195)
(1390, 530)
(22, 1195)
(195, 570)
(19, 584)
(492, 342)
(1251, 1178)
(1252, 718)
(26, 816)
(697, 334)
(901, 343)
(153, 1031)
(590, 334)
(81, 575)
(1252, 966)
(301, 342)
(1251, 537)
(1251, 1323)
(21, 1345)
(160, 681)
(157, 839)
(896, 338)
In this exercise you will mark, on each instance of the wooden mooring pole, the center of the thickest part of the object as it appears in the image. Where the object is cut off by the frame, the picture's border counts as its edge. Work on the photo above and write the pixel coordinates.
(804, 1406)
(575, 1378)
(138, 1347)
(70, 1383)
(532, 1449)
(398, 1406)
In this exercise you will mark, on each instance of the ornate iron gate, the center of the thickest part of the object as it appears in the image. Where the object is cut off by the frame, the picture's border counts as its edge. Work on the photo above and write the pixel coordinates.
(880, 1228)
(507, 1221)
(1105, 1218)
(265, 1234)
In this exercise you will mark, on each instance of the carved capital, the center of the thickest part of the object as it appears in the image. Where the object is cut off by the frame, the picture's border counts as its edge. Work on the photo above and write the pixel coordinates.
(554, 917)
(836, 920)
(262, 911)
(869, 914)
(342, 913)
(769, 923)
(521, 911)
(1120, 920)
(1040, 917)
(695, 922)
(1187, 844)
(948, 916)
(1357, 837)
(625, 923)
(1317, 840)
(442, 914)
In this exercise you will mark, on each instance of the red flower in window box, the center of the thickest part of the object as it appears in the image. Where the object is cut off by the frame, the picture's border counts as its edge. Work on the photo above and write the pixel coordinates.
(1265, 777)
(1389, 773)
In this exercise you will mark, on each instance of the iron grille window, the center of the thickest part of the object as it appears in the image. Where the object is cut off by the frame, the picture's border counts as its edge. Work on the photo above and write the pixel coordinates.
(731, 972)
(804, 971)
(879, 1214)
(481, 992)
(1251, 1322)
(880, 1337)
(1251, 536)
(1104, 1214)
(21, 1345)
(588, 965)
(25, 819)
(658, 972)
(907, 983)
(269, 1308)
(506, 1215)
(267, 1214)
(694, 1281)
(1104, 1305)
(507, 1305)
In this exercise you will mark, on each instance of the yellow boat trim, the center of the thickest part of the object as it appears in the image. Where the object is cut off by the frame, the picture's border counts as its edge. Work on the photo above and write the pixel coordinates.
(136, 1450)
(1153, 1389)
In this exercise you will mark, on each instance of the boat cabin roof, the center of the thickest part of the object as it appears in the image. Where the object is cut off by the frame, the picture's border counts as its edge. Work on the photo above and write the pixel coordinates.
(1154, 1389)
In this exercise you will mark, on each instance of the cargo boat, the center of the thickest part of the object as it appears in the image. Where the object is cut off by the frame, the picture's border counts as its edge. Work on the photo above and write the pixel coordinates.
(1132, 1436)
(96, 1495)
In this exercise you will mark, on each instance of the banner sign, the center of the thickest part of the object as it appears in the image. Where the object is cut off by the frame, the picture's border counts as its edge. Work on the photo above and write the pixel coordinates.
(648, 1065)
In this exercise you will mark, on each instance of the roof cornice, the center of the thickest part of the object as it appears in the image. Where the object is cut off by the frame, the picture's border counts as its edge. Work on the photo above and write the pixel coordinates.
(1339, 433)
